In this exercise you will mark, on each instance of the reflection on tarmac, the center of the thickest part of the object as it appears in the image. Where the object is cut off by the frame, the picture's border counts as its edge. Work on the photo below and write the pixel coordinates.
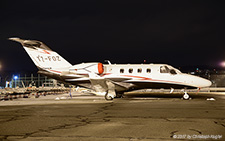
(137, 116)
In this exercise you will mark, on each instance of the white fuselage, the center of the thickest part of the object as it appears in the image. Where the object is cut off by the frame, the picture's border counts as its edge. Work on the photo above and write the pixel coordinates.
(133, 76)
(154, 73)
(110, 78)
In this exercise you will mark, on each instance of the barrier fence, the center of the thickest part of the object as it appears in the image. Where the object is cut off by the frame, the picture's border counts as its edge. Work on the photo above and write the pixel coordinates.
(28, 95)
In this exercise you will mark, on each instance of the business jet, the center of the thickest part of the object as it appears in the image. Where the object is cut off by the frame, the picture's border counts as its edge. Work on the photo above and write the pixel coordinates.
(109, 80)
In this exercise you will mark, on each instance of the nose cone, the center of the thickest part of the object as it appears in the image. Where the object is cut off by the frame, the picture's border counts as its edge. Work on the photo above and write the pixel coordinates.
(206, 83)
(202, 82)
(196, 81)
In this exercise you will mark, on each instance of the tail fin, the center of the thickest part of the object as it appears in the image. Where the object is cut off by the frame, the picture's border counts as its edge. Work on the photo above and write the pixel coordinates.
(42, 56)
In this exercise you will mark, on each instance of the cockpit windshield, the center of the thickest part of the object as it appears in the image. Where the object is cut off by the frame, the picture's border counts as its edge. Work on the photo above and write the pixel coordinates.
(164, 69)
(169, 69)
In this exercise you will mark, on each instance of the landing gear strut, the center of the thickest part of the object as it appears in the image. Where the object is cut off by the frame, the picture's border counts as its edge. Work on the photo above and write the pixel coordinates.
(108, 97)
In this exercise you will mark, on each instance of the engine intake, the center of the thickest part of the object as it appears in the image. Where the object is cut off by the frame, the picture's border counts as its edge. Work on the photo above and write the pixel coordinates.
(86, 68)
(100, 68)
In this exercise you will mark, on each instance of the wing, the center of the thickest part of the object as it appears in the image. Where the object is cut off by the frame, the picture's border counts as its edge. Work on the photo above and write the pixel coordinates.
(101, 85)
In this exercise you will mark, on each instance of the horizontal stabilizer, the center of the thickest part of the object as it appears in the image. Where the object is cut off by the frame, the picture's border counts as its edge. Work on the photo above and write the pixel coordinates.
(78, 79)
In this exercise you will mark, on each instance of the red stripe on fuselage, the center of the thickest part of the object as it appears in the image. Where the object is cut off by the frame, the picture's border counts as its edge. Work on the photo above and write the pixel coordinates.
(55, 71)
(143, 78)
(61, 72)
(146, 78)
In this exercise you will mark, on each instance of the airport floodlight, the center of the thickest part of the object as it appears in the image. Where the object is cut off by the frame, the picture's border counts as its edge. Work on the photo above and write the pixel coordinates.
(222, 64)
(15, 77)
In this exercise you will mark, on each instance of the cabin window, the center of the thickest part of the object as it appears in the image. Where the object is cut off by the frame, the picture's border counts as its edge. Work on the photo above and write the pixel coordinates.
(130, 70)
(164, 69)
(148, 70)
(139, 70)
(121, 70)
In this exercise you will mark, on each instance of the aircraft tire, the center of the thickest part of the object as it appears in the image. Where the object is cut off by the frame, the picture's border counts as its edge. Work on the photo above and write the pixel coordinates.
(186, 96)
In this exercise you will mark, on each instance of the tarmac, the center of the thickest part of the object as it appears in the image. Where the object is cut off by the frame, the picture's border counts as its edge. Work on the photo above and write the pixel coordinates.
(137, 116)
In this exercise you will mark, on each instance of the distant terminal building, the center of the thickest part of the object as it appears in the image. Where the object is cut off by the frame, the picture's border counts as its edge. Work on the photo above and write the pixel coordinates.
(30, 81)
(216, 76)
(27, 80)
(218, 79)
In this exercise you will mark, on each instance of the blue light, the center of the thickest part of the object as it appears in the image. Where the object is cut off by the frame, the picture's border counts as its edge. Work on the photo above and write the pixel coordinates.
(15, 77)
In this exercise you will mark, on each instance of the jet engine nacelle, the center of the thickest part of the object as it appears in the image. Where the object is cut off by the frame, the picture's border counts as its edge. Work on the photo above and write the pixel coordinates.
(86, 68)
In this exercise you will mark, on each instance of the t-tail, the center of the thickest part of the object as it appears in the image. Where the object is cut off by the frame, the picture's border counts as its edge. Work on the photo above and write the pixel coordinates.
(47, 60)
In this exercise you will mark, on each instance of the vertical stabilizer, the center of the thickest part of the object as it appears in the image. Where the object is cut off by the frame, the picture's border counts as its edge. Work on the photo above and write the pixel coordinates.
(42, 56)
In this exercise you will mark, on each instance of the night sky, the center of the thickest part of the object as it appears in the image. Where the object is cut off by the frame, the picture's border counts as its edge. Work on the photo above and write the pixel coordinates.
(179, 33)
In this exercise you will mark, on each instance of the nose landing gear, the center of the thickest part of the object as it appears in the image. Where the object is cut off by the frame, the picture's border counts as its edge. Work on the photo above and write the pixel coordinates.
(186, 96)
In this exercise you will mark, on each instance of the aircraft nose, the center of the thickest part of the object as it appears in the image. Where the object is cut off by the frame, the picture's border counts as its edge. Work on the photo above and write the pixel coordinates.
(206, 83)
(201, 82)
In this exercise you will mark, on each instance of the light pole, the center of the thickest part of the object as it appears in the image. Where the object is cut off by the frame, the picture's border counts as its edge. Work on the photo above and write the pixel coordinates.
(15, 78)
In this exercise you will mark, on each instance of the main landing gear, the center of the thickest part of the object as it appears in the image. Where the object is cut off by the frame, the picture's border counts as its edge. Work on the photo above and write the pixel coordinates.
(108, 96)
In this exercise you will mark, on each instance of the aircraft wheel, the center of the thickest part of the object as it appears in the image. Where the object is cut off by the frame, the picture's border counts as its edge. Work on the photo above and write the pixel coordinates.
(108, 97)
(186, 96)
